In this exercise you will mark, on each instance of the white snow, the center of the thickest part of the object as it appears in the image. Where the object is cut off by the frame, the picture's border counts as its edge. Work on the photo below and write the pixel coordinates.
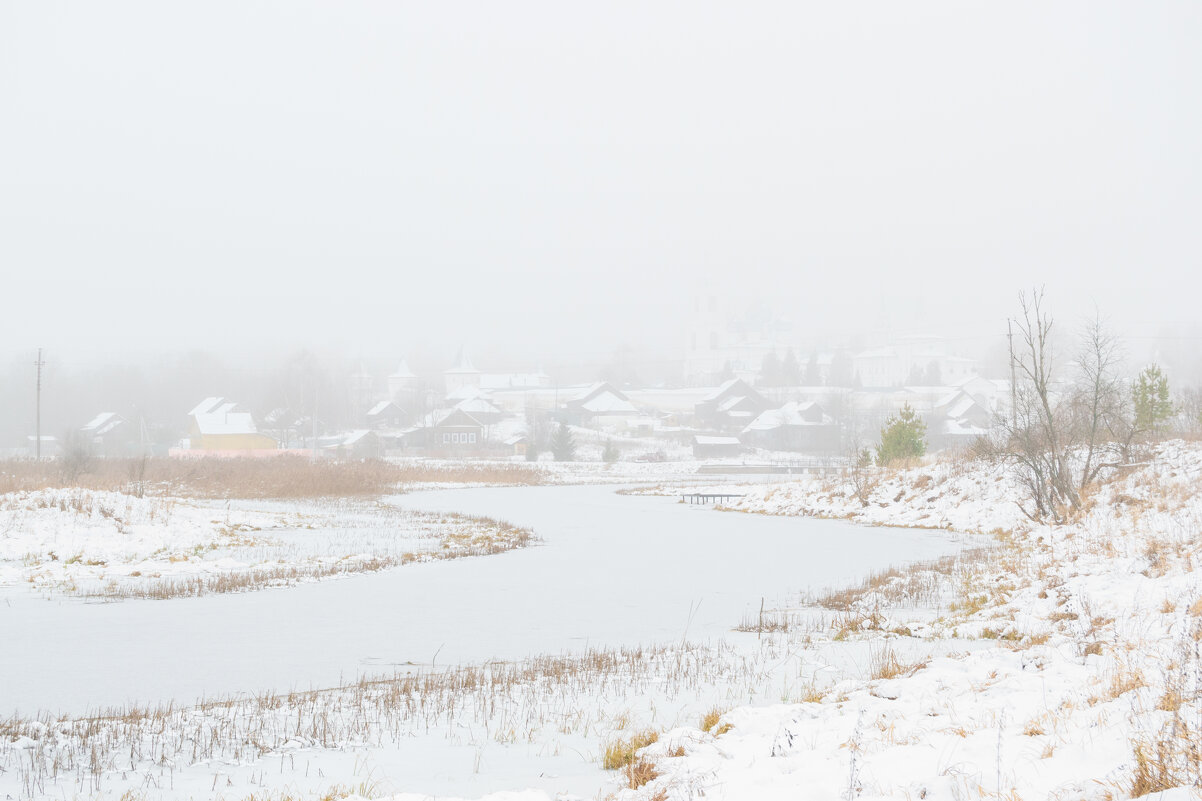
(1040, 668)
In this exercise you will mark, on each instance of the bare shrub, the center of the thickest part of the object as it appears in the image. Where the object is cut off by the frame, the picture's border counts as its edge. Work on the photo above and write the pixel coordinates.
(1061, 434)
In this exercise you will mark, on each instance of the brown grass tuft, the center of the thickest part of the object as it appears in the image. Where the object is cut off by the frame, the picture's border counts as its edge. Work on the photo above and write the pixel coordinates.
(622, 753)
(884, 664)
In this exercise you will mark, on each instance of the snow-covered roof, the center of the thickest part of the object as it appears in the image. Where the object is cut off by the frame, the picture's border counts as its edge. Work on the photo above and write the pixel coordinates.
(478, 404)
(958, 429)
(103, 423)
(731, 403)
(444, 417)
(720, 391)
(794, 413)
(609, 403)
(962, 406)
(601, 398)
(355, 436)
(589, 391)
(219, 416)
(380, 408)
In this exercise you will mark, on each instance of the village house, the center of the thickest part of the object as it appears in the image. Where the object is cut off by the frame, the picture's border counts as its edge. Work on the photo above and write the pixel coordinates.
(601, 406)
(108, 434)
(731, 406)
(384, 415)
(716, 447)
(359, 444)
(800, 426)
(481, 408)
(958, 419)
(220, 425)
(454, 431)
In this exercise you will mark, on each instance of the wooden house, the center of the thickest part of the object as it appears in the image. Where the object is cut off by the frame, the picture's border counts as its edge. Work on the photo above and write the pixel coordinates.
(220, 425)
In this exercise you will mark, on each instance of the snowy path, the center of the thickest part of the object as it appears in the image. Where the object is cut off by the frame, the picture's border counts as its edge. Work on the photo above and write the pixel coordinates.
(613, 570)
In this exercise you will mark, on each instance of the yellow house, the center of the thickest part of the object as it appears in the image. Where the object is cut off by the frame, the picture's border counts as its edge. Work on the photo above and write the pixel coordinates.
(219, 425)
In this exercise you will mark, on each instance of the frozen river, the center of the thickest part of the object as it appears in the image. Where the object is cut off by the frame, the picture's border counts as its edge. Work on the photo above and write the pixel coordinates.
(612, 570)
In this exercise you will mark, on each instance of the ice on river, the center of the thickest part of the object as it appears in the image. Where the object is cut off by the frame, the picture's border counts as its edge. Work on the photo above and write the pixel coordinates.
(612, 570)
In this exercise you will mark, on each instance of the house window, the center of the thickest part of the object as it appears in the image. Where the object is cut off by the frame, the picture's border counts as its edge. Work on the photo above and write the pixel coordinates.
(455, 438)
(472, 437)
(446, 438)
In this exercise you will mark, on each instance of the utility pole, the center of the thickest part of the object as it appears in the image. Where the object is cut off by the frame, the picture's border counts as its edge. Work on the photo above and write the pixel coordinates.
(1013, 385)
(38, 430)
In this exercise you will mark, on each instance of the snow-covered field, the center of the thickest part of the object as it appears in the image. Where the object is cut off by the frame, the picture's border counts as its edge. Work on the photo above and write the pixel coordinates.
(1052, 662)
(115, 546)
(1094, 688)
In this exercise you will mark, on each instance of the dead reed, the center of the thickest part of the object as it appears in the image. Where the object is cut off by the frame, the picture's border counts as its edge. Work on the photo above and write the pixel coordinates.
(465, 536)
(502, 701)
(284, 476)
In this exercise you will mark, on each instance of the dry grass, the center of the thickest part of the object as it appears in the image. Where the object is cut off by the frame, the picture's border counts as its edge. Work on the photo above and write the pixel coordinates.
(1169, 759)
(515, 701)
(918, 583)
(1123, 680)
(885, 664)
(711, 720)
(768, 621)
(639, 772)
(623, 753)
(471, 536)
(285, 476)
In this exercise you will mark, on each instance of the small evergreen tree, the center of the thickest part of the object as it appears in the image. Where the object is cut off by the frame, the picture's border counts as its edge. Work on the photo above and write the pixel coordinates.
(790, 370)
(563, 447)
(1153, 406)
(770, 371)
(932, 376)
(903, 437)
(842, 372)
(813, 376)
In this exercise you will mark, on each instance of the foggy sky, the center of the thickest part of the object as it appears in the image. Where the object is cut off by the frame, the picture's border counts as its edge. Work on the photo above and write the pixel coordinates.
(553, 176)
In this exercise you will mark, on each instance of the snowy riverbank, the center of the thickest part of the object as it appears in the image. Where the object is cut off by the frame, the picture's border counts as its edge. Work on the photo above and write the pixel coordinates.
(1053, 662)
(116, 546)
(1094, 689)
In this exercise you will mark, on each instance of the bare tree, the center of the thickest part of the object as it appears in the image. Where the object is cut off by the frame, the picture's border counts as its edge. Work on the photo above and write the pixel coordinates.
(861, 472)
(1189, 412)
(75, 457)
(1061, 435)
(1038, 426)
(1099, 403)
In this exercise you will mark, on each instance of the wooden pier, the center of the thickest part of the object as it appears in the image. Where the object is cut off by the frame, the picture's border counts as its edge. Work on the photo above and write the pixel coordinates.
(708, 497)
